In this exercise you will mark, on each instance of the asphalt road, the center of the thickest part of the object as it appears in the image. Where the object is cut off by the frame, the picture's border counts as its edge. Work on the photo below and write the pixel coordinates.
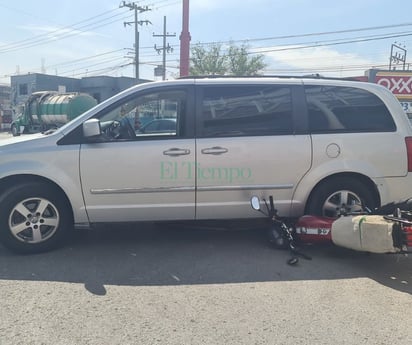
(171, 285)
(159, 285)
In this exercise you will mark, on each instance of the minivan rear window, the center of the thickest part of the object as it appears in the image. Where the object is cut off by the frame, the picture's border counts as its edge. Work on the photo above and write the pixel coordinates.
(346, 109)
(246, 110)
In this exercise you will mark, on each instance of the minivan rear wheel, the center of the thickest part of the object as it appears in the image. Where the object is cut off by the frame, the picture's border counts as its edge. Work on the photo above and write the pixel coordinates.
(340, 194)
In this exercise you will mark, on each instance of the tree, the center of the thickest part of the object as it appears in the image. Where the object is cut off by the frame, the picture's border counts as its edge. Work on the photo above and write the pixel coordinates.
(241, 63)
(236, 61)
(210, 62)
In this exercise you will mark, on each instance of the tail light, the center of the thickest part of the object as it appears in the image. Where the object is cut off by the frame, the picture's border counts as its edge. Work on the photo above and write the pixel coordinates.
(408, 141)
(408, 235)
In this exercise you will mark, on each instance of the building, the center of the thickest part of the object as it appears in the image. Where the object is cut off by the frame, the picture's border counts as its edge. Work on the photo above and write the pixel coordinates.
(103, 87)
(5, 107)
(100, 87)
(399, 82)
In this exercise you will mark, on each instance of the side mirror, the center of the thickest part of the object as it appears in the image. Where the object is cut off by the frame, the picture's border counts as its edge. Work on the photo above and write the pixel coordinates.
(91, 128)
(255, 203)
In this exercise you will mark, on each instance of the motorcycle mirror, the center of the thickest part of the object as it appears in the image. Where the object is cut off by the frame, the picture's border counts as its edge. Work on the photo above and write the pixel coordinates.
(255, 202)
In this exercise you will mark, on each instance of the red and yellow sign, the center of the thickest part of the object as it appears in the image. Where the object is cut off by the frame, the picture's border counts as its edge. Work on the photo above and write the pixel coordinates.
(400, 83)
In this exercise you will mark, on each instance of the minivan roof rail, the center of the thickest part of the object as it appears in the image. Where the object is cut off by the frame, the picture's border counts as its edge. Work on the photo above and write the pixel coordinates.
(306, 76)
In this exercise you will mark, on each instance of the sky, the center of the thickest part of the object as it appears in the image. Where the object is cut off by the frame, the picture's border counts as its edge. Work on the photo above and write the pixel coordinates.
(88, 38)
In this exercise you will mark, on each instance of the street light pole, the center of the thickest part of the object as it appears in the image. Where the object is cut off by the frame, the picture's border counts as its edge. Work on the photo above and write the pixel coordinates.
(136, 44)
(185, 41)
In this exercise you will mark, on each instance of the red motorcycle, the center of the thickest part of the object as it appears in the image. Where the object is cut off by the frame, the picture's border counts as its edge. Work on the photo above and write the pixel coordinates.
(387, 229)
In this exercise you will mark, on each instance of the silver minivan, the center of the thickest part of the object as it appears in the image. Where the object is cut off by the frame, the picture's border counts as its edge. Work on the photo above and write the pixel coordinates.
(315, 145)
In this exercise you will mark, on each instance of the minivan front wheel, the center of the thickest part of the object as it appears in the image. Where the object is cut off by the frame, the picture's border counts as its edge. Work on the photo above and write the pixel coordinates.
(338, 195)
(33, 218)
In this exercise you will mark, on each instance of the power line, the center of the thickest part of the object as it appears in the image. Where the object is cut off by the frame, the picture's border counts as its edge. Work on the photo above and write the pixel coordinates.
(73, 62)
(156, 62)
(70, 30)
(322, 33)
(163, 3)
(332, 44)
(303, 45)
(87, 67)
(60, 33)
(72, 26)
(64, 32)
(101, 70)
(83, 60)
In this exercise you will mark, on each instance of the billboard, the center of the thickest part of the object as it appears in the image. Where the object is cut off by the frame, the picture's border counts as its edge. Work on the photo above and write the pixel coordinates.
(400, 83)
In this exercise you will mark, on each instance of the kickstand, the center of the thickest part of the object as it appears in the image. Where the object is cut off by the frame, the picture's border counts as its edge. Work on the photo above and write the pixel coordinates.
(295, 255)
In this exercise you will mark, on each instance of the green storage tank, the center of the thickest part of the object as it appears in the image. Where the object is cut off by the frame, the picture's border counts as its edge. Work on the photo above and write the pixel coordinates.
(47, 110)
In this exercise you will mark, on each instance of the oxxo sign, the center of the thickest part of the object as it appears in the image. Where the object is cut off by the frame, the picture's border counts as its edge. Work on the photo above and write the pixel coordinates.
(399, 84)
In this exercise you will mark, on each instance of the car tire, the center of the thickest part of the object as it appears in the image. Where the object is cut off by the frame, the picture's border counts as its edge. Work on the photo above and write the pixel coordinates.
(34, 217)
(338, 195)
(14, 130)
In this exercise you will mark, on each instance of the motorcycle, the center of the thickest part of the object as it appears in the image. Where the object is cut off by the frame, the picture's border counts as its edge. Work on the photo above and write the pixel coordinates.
(387, 229)
(280, 234)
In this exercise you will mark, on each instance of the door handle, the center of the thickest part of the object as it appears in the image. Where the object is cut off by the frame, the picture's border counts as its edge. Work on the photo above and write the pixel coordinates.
(174, 152)
(216, 150)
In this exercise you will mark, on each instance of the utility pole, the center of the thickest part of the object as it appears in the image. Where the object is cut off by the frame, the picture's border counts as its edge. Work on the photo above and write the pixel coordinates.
(165, 48)
(137, 9)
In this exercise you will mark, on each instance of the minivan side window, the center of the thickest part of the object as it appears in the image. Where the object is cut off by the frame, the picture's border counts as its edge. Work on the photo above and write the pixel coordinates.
(246, 110)
(154, 114)
(346, 109)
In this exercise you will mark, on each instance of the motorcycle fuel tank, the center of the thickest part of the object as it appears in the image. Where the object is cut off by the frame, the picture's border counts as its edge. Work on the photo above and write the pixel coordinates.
(314, 229)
